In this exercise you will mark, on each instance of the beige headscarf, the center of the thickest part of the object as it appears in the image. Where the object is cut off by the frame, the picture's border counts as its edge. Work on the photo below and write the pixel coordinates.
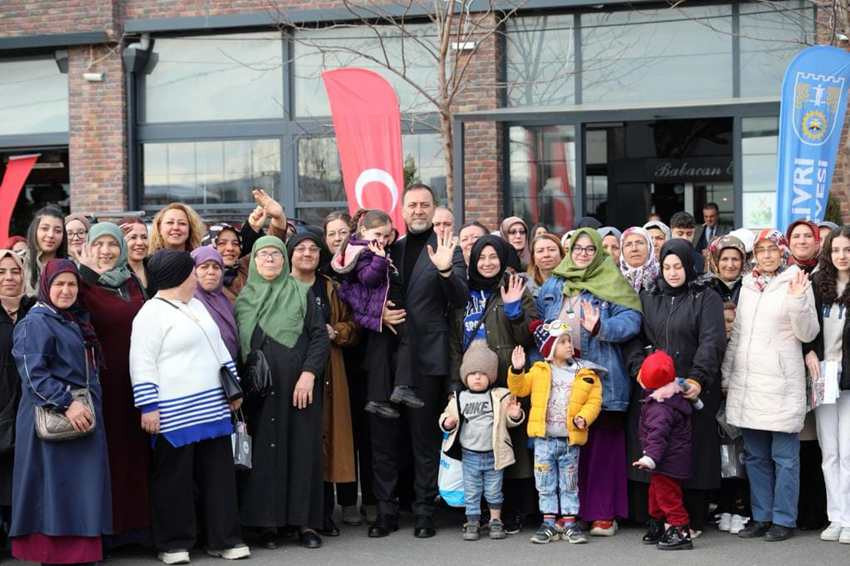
(12, 304)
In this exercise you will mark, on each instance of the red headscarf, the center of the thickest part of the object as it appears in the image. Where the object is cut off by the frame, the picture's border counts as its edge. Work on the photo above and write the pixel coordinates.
(75, 313)
(806, 265)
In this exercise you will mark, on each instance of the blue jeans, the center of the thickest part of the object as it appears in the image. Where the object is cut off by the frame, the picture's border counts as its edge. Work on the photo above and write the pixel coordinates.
(480, 475)
(556, 475)
(773, 467)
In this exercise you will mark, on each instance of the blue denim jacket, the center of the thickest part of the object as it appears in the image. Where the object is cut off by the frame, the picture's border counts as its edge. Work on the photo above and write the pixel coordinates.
(617, 325)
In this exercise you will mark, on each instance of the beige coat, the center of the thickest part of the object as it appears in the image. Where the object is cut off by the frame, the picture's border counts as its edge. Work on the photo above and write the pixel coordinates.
(503, 451)
(764, 370)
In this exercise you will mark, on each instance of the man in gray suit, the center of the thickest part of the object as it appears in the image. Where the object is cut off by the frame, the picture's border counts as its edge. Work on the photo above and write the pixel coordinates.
(712, 227)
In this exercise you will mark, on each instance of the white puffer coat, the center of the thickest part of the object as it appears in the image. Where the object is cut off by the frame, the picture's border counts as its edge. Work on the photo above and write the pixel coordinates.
(763, 369)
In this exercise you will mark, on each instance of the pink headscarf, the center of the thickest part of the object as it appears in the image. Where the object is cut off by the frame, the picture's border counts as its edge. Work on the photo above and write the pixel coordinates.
(524, 254)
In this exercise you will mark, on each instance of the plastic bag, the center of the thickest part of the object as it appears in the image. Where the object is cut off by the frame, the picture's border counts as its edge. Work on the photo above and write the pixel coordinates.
(242, 448)
(733, 460)
(731, 431)
(450, 480)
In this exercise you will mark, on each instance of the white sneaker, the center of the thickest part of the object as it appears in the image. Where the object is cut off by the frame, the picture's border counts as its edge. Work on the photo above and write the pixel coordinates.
(174, 556)
(832, 532)
(725, 522)
(235, 553)
(737, 524)
(845, 536)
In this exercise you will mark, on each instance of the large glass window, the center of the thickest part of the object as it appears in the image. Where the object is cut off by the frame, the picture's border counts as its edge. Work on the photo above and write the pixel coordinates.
(657, 55)
(412, 52)
(540, 62)
(209, 172)
(33, 97)
(759, 144)
(771, 34)
(542, 174)
(220, 77)
(320, 186)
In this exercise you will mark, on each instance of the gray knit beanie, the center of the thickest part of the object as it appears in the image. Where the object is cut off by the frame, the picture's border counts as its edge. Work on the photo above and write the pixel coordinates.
(479, 357)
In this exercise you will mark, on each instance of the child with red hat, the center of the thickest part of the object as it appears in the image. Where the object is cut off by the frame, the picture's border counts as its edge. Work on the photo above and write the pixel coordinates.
(665, 437)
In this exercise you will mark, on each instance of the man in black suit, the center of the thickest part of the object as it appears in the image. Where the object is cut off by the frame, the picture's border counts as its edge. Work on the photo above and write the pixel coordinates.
(711, 227)
(432, 285)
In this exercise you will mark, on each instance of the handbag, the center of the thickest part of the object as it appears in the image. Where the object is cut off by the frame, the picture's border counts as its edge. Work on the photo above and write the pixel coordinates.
(242, 444)
(229, 381)
(53, 426)
(257, 375)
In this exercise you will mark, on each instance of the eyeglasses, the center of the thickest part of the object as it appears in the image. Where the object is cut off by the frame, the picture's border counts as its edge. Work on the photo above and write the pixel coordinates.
(635, 245)
(519, 232)
(78, 235)
(265, 256)
(589, 250)
(773, 250)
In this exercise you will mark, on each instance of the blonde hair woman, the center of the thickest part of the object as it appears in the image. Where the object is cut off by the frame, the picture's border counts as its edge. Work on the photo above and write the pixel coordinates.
(176, 227)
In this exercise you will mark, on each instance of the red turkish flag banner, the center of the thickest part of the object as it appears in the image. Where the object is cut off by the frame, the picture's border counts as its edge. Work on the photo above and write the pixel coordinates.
(17, 171)
(367, 122)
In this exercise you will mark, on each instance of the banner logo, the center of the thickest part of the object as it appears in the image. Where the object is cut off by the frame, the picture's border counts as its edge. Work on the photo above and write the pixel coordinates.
(375, 176)
(816, 102)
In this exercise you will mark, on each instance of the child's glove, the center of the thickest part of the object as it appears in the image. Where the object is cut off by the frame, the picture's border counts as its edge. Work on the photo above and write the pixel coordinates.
(645, 463)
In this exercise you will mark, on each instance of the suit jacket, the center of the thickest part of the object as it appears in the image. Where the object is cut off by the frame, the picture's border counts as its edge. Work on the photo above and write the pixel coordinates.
(428, 299)
(699, 235)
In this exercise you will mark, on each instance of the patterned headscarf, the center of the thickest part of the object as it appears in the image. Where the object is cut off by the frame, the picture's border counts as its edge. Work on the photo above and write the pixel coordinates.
(715, 249)
(761, 279)
(806, 265)
(643, 274)
(75, 313)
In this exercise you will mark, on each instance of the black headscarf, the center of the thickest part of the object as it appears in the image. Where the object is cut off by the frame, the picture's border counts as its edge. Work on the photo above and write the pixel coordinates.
(587, 222)
(476, 280)
(685, 252)
(170, 268)
(299, 237)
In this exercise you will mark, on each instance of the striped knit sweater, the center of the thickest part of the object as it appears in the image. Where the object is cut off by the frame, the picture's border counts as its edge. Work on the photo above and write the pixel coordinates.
(174, 370)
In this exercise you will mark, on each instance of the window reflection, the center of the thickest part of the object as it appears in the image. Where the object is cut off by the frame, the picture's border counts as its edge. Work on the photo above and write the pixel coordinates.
(210, 173)
(221, 77)
(33, 97)
(760, 138)
(540, 63)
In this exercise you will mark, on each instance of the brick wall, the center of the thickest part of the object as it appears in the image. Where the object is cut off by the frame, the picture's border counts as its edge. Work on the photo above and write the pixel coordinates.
(40, 17)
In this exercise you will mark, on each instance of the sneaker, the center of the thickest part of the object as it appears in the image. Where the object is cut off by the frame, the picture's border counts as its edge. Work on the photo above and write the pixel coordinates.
(695, 534)
(382, 409)
(471, 531)
(832, 532)
(754, 529)
(676, 538)
(497, 529)
(513, 523)
(737, 524)
(654, 532)
(235, 553)
(725, 522)
(174, 556)
(845, 536)
(603, 528)
(404, 395)
(573, 534)
(546, 533)
(778, 533)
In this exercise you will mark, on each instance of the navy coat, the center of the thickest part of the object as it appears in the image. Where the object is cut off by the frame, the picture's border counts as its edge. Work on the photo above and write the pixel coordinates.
(665, 432)
(60, 488)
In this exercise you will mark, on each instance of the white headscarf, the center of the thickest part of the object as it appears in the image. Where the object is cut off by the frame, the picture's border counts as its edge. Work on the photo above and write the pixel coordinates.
(643, 274)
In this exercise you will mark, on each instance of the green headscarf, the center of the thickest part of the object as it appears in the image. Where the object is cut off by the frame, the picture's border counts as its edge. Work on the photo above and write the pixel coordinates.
(601, 277)
(119, 274)
(278, 307)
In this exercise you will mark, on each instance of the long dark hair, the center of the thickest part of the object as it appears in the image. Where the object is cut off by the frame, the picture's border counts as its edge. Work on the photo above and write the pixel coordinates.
(32, 241)
(826, 276)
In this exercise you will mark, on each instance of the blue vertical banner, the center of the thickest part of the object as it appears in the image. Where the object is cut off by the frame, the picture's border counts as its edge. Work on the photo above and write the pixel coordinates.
(813, 104)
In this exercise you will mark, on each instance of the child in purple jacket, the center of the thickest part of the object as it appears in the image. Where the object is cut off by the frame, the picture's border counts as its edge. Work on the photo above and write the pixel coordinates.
(368, 281)
(665, 437)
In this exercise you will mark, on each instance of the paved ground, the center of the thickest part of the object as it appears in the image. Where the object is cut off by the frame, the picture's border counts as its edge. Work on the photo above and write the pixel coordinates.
(354, 548)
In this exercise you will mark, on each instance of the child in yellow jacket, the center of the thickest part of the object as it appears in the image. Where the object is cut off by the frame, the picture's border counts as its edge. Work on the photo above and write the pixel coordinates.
(566, 397)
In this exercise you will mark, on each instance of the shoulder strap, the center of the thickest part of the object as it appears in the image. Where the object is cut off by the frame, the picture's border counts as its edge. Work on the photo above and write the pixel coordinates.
(169, 303)
(487, 309)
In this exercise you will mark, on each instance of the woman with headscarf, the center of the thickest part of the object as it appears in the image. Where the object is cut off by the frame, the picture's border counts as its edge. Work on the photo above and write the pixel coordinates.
(16, 243)
(77, 229)
(638, 262)
(176, 358)
(15, 307)
(210, 270)
(62, 507)
(602, 309)
(660, 233)
(727, 263)
(45, 241)
(611, 242)
(825, 227)
(515, 232)
(278, 314)
(113, 296)
(305, 250)
(765, 376)
(804, 241)
(498, 311)
(683, 316)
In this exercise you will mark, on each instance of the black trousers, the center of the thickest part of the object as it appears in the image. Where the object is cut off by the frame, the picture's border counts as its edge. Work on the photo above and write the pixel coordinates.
(357, 398)
(384, 348)
(346, 494)
(175, 473)
(424, 441)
